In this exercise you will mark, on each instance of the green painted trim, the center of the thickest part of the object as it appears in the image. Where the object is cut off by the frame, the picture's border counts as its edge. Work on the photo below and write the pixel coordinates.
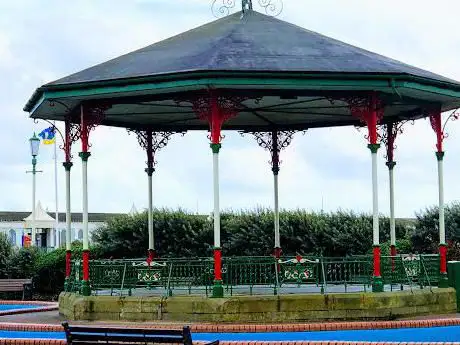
(440, 155)
(443, 281)
(67, 165)
(84, 156)
(390, 165)
(215, 147)
(377, 284)
(217, 289)
(373, 147)
(149, 171)
(379, 82)
(432, 89)
(327, 84)
(85, 288)
(278, 81)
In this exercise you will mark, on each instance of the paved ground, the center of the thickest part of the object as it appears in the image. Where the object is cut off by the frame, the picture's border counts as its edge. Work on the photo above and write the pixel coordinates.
(53, 317)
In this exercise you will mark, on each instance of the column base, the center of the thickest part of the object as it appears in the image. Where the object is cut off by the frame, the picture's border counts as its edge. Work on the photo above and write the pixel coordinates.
(443, 281)
(85, 289)
(277, 252)
(393, 251)
(217, 289)
(377, 284)
(151, 255)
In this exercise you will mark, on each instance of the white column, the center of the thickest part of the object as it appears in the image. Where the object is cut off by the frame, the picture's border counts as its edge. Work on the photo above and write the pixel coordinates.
(392, 207)
(68, 234)
(150, 213)
(277, 212)
(33, 240)
(85, 204)
(215, 157)
(375, 200)
(442, 229)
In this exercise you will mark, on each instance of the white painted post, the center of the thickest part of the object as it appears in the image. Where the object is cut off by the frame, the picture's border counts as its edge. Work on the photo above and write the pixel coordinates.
(392, 208)
(442, 229)
(277, 212)
(68, 233)
(85, 204)
(375, 200)
(150, 213)
(215, 160)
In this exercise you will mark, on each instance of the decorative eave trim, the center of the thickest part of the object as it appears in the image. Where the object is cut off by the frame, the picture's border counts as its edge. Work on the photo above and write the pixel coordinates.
(37, 96)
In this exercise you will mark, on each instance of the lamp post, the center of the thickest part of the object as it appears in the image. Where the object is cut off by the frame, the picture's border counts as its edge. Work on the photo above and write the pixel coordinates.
(34, 148)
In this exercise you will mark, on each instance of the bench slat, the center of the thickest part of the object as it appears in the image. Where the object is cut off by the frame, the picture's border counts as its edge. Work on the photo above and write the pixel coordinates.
(127, 338)
(104, 330)
(81, 335)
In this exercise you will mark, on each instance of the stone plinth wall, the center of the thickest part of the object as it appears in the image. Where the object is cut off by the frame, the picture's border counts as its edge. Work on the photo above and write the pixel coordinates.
(286, 308)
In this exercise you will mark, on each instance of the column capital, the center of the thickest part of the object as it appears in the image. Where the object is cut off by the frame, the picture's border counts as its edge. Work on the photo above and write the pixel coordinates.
(67, 165)
(373, 147)
(440, 155)
(390, 164)
(215, 147)
(149, 171)
(84, 156)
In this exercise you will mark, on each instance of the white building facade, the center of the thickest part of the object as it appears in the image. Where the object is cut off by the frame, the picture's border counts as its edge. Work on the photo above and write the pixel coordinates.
(49, 233)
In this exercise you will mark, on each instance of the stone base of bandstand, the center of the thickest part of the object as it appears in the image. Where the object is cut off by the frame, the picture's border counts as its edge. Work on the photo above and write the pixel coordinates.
(261, 309)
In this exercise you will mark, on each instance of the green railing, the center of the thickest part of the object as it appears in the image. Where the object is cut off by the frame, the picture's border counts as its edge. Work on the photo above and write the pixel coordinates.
(248, 275)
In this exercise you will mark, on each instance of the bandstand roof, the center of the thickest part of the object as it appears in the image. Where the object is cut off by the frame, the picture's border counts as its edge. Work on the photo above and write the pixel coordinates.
(288, 76)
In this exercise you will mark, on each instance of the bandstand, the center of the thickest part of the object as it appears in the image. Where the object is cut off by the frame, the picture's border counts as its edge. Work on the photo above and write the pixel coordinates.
(253, 73)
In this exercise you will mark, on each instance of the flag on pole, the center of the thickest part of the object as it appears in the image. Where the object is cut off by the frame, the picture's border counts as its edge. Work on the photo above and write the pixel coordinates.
(48, 135)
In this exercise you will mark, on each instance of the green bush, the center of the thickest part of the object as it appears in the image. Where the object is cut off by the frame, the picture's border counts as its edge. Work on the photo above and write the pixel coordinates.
(180, 234)
(425, 236)
(5, 253)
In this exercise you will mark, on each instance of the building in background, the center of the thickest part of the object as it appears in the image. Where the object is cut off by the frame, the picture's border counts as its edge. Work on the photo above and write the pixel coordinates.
(17, 226)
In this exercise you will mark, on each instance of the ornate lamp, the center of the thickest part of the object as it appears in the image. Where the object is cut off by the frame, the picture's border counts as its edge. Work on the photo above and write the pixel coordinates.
(34, 146)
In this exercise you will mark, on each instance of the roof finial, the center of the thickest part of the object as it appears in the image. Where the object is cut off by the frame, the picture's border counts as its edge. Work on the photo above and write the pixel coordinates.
(246, 5)
(222, 8)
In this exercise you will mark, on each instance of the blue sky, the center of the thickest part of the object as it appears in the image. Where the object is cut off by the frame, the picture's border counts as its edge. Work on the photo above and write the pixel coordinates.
(41, 41)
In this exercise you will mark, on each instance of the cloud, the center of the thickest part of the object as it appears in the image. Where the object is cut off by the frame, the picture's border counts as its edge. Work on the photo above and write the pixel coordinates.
(327, 168)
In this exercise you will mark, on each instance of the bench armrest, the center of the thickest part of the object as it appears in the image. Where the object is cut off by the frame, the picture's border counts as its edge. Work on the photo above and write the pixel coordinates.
(215, 342)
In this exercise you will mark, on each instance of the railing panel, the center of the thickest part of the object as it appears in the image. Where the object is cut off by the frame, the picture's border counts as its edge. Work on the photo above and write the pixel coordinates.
(245, 274)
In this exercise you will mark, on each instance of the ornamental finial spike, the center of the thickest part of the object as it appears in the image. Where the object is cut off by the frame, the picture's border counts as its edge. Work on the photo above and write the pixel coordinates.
(222, 8)
(246, 5)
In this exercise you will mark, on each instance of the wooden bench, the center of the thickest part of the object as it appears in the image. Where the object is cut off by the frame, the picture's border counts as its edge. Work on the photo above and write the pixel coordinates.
(83, 335)
(15, 285)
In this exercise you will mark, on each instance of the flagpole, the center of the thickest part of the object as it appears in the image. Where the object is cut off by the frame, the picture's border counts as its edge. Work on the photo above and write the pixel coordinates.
(56, 224)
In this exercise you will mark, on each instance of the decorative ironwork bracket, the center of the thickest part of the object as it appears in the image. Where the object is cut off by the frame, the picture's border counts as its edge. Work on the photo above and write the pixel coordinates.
(91, 117)
(364, 108)
(222, 8)
(388, 133)
(439, 128)
(274, 142)
(225, 106)
(152, 142)
(72, 134)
